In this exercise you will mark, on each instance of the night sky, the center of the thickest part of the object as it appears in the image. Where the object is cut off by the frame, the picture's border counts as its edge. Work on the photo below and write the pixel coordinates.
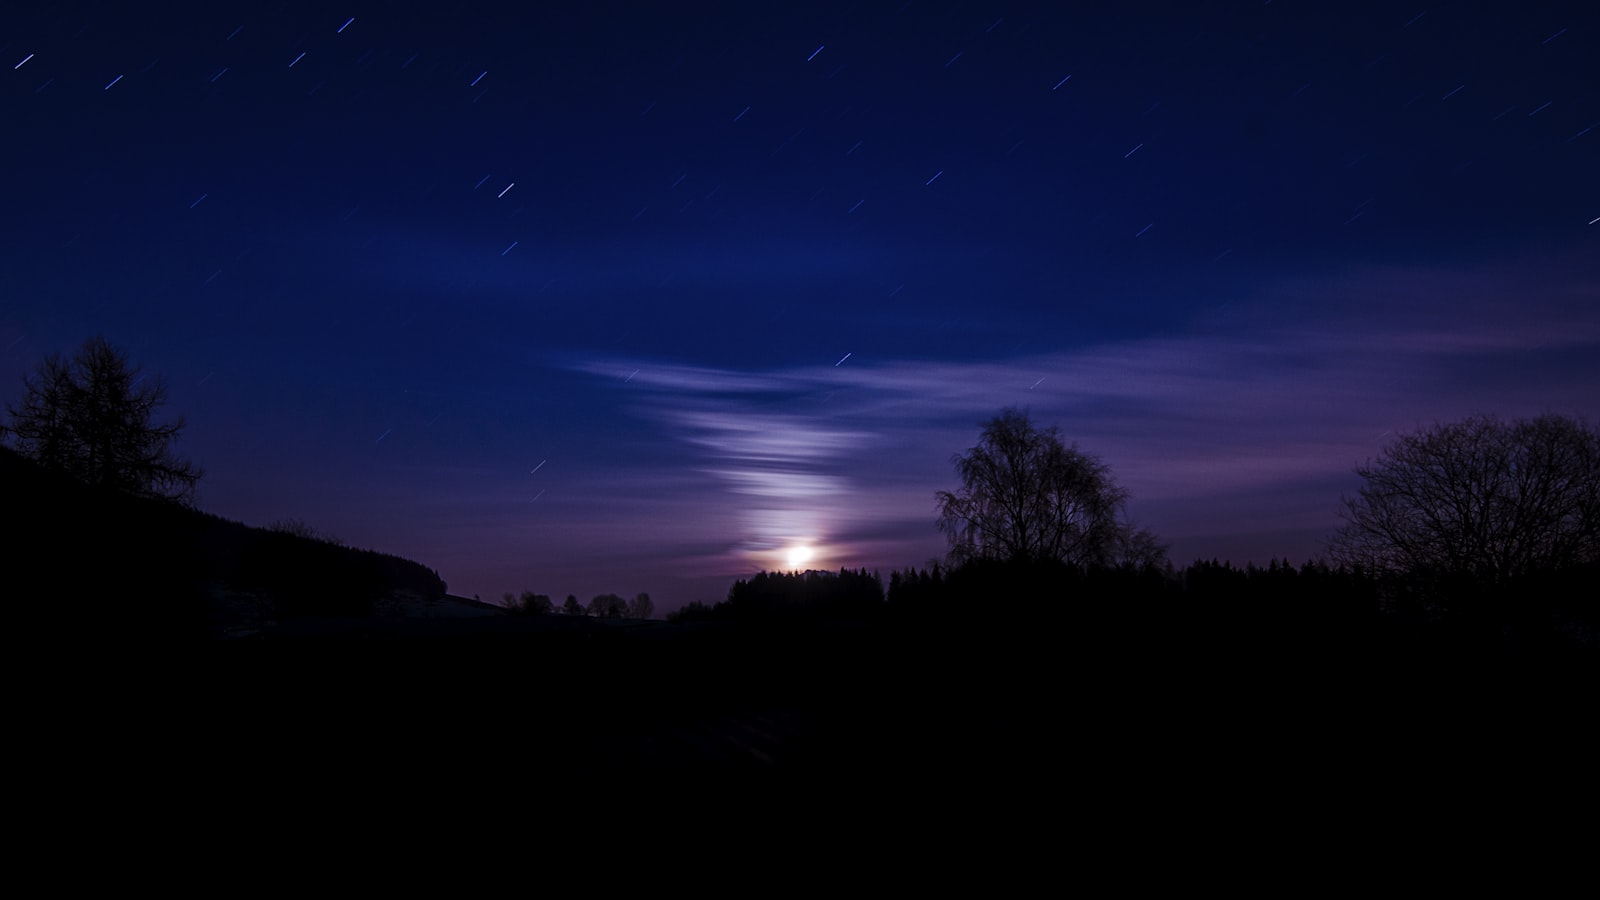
(594, 297)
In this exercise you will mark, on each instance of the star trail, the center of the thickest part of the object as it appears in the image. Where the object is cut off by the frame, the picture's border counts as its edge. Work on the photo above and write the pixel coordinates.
(743, 277)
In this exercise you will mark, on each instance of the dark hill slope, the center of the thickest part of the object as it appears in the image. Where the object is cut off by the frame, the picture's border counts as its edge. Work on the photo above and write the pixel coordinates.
(97, 564)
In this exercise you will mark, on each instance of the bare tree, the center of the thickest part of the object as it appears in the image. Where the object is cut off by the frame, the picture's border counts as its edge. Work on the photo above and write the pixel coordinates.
(92, 417)
(1479, 500)
(1027, 497)
(641, 606)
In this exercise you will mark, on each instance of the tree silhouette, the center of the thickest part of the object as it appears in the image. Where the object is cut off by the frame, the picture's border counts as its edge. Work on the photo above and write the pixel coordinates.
(608, 606)
(641, 606)
(693, 611)
(812, 594)
(92, 417)
(1479, 502)
(529, 603)
(1028, 498)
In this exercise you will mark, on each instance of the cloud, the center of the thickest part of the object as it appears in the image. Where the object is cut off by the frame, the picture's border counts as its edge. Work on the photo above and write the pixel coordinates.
(1240, 418)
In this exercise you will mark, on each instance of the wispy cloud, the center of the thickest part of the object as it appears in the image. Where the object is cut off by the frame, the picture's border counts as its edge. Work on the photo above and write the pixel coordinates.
(1266, 408)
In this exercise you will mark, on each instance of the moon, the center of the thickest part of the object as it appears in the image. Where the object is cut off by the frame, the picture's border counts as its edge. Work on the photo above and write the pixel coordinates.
(799, 555)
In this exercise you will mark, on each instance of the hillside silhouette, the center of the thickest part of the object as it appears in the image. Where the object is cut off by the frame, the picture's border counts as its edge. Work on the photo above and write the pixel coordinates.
(92, 562)
(994, 678)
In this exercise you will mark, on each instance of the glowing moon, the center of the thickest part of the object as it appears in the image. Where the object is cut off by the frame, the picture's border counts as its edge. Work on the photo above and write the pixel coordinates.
(799, 556)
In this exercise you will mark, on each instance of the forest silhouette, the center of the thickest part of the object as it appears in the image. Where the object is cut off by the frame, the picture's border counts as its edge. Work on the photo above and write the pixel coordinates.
(966, 665)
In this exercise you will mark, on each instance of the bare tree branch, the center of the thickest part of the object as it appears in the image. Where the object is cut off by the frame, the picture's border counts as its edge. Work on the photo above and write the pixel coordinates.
(1481, 500)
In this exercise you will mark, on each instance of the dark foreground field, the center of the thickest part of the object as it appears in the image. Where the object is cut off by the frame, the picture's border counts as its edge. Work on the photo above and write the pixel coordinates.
(993, 748)
(982, 717)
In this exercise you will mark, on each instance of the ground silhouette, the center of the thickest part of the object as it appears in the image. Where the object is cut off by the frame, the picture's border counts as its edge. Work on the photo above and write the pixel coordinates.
(1205, 686)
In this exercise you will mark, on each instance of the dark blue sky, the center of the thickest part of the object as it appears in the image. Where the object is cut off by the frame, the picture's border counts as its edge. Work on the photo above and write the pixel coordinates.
(632, 297)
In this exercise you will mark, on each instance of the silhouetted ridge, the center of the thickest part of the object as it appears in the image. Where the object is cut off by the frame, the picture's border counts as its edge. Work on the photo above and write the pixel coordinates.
(103, 562)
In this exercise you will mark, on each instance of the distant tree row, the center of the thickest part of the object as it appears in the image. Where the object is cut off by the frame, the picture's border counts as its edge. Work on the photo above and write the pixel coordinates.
(602, 606)
(1206, 602)
(996, 589)
(779, 596)
(1032, 588)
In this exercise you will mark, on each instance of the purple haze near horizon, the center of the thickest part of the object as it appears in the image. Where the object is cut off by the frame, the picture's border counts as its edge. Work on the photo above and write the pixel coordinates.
(589, 299)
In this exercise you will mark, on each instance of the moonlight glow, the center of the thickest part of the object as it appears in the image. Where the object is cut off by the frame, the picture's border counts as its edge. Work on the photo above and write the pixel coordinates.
(733, 333)
(799, 556)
